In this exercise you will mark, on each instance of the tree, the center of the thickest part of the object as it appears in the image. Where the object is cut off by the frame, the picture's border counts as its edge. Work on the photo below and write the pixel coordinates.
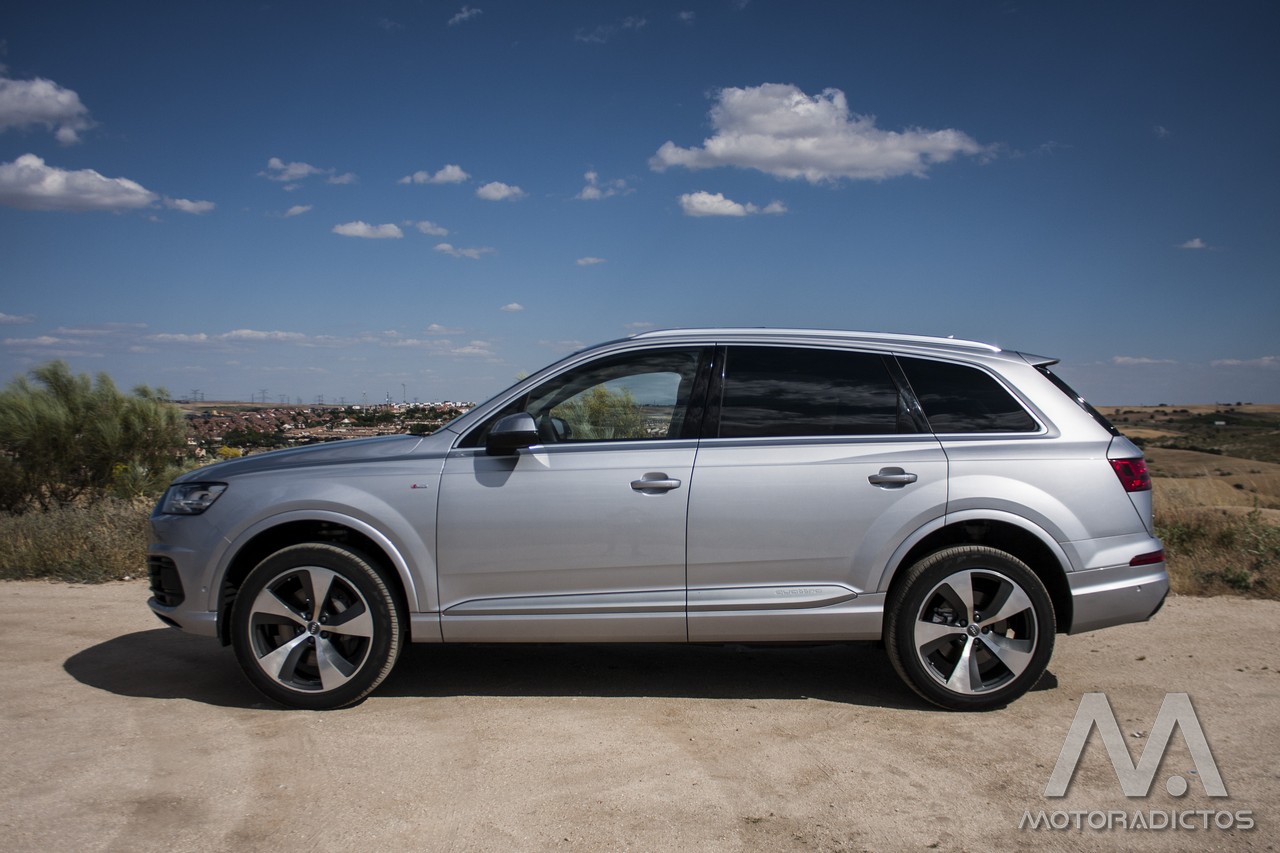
(66, 437)
(602, 414)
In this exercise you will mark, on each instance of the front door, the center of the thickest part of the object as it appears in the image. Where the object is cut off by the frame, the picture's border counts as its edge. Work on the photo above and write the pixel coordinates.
(582, 536)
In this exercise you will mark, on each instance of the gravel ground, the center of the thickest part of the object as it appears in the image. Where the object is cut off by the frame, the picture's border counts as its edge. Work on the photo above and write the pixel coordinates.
(120, 734)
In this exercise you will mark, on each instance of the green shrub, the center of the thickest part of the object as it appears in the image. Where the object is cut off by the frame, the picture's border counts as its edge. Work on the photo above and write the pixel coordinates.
(67, 439)
(1211, 554)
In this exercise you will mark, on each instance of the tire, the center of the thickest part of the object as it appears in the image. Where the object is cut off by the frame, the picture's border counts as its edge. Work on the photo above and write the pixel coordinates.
(948, 643)
(316, 656)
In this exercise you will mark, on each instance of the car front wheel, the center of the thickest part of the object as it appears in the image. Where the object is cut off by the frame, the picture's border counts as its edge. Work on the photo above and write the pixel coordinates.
(970, 628)
(315, 626)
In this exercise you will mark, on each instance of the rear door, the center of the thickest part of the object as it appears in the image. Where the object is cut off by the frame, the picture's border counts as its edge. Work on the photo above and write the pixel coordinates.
(812, 469)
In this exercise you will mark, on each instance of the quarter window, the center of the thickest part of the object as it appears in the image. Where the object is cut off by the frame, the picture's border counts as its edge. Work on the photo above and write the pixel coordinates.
(957, 398)
(786, 391)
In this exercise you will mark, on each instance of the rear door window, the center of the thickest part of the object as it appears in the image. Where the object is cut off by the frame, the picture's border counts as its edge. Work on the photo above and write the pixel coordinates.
(793, 391)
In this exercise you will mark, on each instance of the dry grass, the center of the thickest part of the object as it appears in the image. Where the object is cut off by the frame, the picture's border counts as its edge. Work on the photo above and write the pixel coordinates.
(81, 544)
(1219, 518)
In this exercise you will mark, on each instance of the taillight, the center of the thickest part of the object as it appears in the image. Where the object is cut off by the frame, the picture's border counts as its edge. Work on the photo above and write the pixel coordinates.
(1149, 559)
(1132, 473)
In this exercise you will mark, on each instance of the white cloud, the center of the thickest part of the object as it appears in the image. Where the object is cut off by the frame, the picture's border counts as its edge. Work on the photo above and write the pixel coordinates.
(101, 330)
(589, 261)
(297, 210)
(594, 190)
(278, 170)
(498, 191)
(291, 173)
(450, 173)
(235, 335)
(687, 17)
(29, 184)
(778, 129)
(431, 229)
(42, 102)
(481, 348)
(564, 345)
(437, 329)
(1267, 362)
(1195, 243)
(466, 13)
(474, 252)
(512, 307)
(188, 206)
(15, 320)
(255, 335)
(369, 232)
(41, 341)
(715, 204)
(179, 338)
(1139, 361)
(638, 326)
(604, 32)
(1161, 131)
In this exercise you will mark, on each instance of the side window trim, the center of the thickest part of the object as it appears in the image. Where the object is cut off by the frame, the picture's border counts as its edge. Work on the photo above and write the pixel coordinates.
(1014, 394)
(917, 422)
(695, 406)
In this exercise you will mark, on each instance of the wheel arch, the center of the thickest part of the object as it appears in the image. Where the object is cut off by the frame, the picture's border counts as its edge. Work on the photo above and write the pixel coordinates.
(271, 535)
(995, 530)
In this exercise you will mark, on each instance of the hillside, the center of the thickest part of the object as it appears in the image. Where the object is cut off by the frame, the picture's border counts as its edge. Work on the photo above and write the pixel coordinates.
(1216, 473)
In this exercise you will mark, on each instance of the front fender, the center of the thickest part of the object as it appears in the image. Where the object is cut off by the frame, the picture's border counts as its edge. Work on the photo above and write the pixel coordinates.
(417, 592)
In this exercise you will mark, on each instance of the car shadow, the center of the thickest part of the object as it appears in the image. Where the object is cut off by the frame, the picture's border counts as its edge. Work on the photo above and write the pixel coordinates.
(845, 673)
(167, 664)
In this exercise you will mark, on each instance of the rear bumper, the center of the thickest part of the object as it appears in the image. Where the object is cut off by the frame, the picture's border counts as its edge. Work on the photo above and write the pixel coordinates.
(1116, 596)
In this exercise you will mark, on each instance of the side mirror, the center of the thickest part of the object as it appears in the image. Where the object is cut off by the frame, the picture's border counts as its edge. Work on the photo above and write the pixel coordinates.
(511, 434)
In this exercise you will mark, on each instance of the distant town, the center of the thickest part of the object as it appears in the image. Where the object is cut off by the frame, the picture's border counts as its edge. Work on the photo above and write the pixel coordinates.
(222, 429)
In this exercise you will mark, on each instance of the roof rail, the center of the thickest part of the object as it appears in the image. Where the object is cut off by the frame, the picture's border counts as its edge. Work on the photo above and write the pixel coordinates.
(837, 334)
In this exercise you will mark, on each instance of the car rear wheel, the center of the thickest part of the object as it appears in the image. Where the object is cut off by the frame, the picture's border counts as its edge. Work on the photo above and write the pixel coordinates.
(315, 626)
(971, 628)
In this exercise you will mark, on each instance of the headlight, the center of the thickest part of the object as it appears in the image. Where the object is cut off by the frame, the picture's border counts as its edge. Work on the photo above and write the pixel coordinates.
(190, 498)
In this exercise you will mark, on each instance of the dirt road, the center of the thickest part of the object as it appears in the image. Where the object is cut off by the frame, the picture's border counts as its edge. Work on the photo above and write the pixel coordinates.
(120, 734)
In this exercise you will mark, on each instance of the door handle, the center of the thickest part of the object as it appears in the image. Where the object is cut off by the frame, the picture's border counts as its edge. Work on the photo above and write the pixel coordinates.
(655, 483)
(892, 477)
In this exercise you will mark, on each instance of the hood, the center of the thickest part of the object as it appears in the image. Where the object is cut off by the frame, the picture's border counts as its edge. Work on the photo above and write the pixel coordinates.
(330, 453)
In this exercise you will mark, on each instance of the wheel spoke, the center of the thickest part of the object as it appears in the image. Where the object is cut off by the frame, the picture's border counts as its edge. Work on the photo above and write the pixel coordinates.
(965, 678)
(960, 587)
(282, 663)
(269, 604)
(929, 634)
(1015, 654)
(1015, 601)
(321, 583)
(355, 621)
(335, 670)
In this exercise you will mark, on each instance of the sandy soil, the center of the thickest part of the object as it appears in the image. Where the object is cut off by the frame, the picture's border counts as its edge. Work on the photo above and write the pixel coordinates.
(122, 735)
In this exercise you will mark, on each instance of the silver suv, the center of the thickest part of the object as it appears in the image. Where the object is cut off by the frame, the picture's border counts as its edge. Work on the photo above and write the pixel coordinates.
(955, 501)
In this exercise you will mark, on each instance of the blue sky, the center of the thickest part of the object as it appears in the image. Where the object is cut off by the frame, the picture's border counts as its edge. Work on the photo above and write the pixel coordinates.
(423, 199)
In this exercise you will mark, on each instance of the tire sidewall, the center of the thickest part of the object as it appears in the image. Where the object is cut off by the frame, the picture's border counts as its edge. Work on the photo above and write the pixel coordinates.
(355, 569)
